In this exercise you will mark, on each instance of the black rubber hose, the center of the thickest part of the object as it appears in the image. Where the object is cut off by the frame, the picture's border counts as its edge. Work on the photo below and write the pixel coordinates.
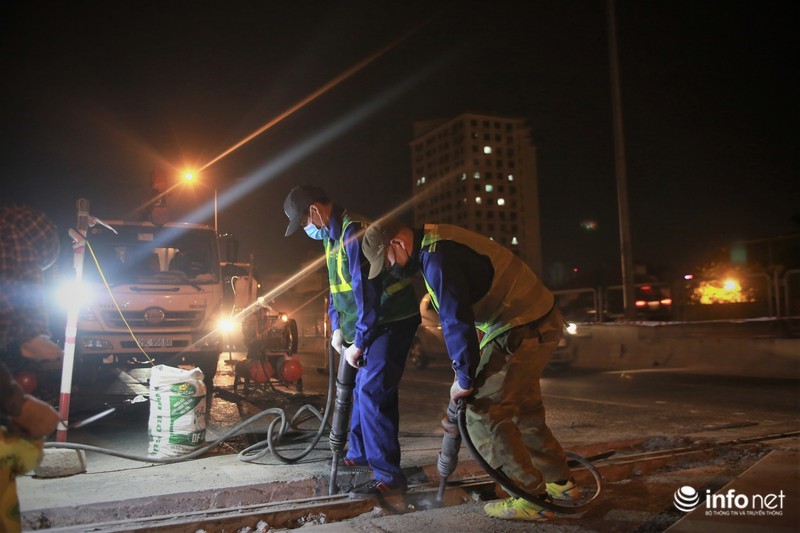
(259, 449)
(511, 486)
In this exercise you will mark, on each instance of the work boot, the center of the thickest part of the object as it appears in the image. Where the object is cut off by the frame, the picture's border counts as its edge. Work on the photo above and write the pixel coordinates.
(564, 490)
(517, 509)
(377, 488)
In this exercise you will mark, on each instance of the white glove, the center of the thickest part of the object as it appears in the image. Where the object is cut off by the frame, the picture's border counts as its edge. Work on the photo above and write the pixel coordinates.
(353, 356)
(457, 393)
(337, 340)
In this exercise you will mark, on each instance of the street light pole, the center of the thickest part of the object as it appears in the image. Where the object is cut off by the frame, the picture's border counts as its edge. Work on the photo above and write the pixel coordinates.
(626, 249)
(216, 226)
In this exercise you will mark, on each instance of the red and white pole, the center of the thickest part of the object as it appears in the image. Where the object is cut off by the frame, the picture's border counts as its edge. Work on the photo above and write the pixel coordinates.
(79, 249)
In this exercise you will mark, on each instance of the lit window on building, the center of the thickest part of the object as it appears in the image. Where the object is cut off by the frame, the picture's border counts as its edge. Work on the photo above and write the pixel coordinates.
(422, 179)
(419, 182)
(487, 149)
(463, 176)
(514, 241)
(478, 200)
(501, 201)
(489, 188)
(511, 177)
(477, 175)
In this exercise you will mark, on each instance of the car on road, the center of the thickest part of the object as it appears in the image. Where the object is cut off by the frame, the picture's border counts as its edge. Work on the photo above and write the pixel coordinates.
(429, 341)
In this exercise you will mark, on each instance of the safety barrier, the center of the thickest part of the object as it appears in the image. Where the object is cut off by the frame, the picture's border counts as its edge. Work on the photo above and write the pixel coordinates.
(773, 296)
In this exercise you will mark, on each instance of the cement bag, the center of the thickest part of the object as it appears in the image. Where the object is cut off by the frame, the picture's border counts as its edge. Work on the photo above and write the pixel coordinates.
(177, 423)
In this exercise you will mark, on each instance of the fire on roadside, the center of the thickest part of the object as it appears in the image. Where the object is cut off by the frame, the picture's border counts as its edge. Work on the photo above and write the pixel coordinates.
(727, 290)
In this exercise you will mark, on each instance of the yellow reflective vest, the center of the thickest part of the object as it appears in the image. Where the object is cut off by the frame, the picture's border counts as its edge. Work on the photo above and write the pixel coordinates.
(516, 296)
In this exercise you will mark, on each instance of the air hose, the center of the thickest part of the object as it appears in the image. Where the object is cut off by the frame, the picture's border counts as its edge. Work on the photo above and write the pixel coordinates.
(249, 454)
(510, 486)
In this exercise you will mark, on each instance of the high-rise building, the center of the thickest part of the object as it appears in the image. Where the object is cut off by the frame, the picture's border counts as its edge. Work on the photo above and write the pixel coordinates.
(479, 172)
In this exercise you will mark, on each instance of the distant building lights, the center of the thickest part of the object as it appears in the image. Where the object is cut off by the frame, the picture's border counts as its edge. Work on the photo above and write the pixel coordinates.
(487, 149)
(501, 201)
(477, 175)
(478, 200)
(511, 177)
(488, 188)
(514, 241)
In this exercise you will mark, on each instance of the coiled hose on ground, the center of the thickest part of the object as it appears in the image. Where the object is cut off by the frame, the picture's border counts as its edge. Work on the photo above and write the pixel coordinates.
(251, 453)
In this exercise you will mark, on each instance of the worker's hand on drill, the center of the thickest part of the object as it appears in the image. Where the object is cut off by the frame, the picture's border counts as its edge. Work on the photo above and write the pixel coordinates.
(37, 419)
(354, 356)
(337, 340)
(457, 393)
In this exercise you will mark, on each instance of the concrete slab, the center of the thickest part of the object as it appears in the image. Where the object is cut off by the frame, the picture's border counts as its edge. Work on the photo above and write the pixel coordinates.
(761, 499)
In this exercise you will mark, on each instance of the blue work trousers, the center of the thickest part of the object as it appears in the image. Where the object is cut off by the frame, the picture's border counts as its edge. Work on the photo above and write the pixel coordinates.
(375, 419)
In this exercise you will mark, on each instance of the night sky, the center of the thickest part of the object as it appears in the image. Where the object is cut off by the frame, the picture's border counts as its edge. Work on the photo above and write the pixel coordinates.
(97, 95)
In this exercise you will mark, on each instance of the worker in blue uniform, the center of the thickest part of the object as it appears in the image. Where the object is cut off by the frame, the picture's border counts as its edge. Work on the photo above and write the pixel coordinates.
(474, 283)
(373, 323)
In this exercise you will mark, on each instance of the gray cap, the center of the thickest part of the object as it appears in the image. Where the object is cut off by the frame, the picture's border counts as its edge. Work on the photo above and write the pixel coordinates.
(374, 243)
(297, 203)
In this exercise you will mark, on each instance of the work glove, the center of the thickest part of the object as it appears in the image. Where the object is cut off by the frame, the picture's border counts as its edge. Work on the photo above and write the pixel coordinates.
(41, 348)
(353, 356)
(457, 393)
(37, 419)
(337, 340)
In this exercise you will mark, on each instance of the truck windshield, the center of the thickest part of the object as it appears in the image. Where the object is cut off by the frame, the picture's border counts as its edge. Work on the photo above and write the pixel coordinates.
(152, 254)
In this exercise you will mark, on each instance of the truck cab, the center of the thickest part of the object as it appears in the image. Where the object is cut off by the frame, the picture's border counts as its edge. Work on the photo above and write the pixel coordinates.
(154, 297)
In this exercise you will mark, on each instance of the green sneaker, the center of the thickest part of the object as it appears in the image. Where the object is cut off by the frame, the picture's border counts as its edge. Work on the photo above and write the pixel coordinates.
(566, 491)
(517, 509)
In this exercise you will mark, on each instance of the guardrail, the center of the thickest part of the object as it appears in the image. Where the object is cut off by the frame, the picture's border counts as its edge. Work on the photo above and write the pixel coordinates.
(771, 295)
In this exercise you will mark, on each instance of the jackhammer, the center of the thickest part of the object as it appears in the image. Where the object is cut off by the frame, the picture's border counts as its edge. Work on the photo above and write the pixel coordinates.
(345, 381)
(455, 429)
(451, 444)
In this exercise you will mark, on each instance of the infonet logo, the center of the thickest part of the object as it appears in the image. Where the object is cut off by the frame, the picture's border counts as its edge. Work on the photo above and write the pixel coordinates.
(729, 503)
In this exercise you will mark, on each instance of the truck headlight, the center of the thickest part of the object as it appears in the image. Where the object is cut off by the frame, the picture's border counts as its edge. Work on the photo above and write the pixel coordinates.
(225, 325)
(72, 294)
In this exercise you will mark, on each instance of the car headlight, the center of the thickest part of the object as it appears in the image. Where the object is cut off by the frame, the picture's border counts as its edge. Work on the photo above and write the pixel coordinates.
(572, 328)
